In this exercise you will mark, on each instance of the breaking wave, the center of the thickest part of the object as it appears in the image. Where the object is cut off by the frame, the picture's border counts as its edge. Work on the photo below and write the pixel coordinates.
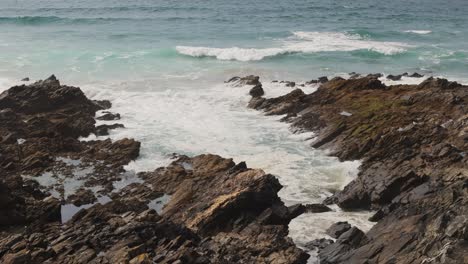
(300, 42)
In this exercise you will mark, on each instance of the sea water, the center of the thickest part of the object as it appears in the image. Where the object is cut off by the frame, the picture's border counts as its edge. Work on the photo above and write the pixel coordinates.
(163, 64)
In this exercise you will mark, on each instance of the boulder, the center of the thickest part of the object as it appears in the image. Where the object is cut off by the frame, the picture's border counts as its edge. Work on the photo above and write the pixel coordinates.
(257, 91)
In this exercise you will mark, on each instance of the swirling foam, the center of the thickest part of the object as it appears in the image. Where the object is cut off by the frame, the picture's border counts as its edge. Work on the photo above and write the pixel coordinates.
(300, 42)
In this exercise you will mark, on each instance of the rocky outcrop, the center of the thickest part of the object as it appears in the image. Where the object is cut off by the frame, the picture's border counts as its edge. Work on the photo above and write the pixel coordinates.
(412, 140)
(247, 80)
(61, 199)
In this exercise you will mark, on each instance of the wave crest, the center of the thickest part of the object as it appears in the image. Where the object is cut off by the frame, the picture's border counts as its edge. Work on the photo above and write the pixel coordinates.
(420, 32)
(299, 42)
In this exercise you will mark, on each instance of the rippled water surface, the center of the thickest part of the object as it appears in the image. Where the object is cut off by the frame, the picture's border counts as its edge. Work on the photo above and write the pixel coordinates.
(163, 63)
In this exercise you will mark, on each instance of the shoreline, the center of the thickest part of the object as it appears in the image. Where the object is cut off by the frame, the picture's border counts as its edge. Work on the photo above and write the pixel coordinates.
(291, 103)
(404, 163)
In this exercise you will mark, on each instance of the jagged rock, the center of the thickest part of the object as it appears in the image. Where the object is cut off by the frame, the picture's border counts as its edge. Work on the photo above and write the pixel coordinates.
(257, 91)
(103, 130)
(82, 197)
(416, 75)
(280, 105)
(289, 83)
(247, 80)
(432, 83)
(108, 116)
(323, 79)
(317, 208)
(320, 243)
(375, 75)
(410, 139)
(337, 229)
(208, 209)
(397, 77)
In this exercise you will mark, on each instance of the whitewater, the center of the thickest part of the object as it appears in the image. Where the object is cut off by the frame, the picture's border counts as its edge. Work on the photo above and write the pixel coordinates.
(163, 65)
(299, 42)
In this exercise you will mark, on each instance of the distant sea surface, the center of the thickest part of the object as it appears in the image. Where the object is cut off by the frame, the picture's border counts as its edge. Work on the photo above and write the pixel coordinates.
(143, 38)
(163, 63)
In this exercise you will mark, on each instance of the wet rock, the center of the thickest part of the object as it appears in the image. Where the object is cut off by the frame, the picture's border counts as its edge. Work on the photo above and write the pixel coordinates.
(365, 83)
(397, 77)
(280, 105)
(322, 79)
(319, 243)
(353, 75)
(317, 208)
(82, 197)
(257, 91)
(337, 229)
(247, 80)
(338, 252)
(107, 116)
(288, 83)
(434, 83)
(375, 75)
(26, 79)
(103, 130)
(416, 75)
(412, 169)
(204, 209)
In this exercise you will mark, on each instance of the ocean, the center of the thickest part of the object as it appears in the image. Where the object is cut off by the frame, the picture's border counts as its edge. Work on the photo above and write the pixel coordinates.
(163, 65)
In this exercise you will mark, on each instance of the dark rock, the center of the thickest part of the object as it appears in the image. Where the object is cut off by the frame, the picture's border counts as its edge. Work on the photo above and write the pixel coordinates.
(416, 75)
(257, 91)
(432, 83)
(317, 208)
(397, 77)
(288, 83)
(25, 79)
(337, 229)
(82, 197)
(320, 243)
(410, 139)
(247, 80)
(204, 209)
(103, 130)
(103, 104)
(375, 75)
(109, 116)
(322, 79)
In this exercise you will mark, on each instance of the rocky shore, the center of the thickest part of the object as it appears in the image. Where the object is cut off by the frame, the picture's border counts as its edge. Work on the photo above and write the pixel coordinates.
(412, 141)
(66, 200)
(63, 200)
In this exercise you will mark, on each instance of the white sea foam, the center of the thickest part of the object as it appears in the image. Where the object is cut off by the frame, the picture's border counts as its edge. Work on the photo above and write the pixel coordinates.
(174, 117)
(299, 42)
(421, 32)
(234, 53)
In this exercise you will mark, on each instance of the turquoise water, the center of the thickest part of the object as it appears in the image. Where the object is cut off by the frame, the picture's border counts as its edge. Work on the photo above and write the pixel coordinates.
(138, 39)
(163, 63)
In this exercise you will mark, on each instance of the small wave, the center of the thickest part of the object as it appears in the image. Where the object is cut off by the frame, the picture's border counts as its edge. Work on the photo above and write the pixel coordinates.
(300, 42)
(234, 53)
(420, 32)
